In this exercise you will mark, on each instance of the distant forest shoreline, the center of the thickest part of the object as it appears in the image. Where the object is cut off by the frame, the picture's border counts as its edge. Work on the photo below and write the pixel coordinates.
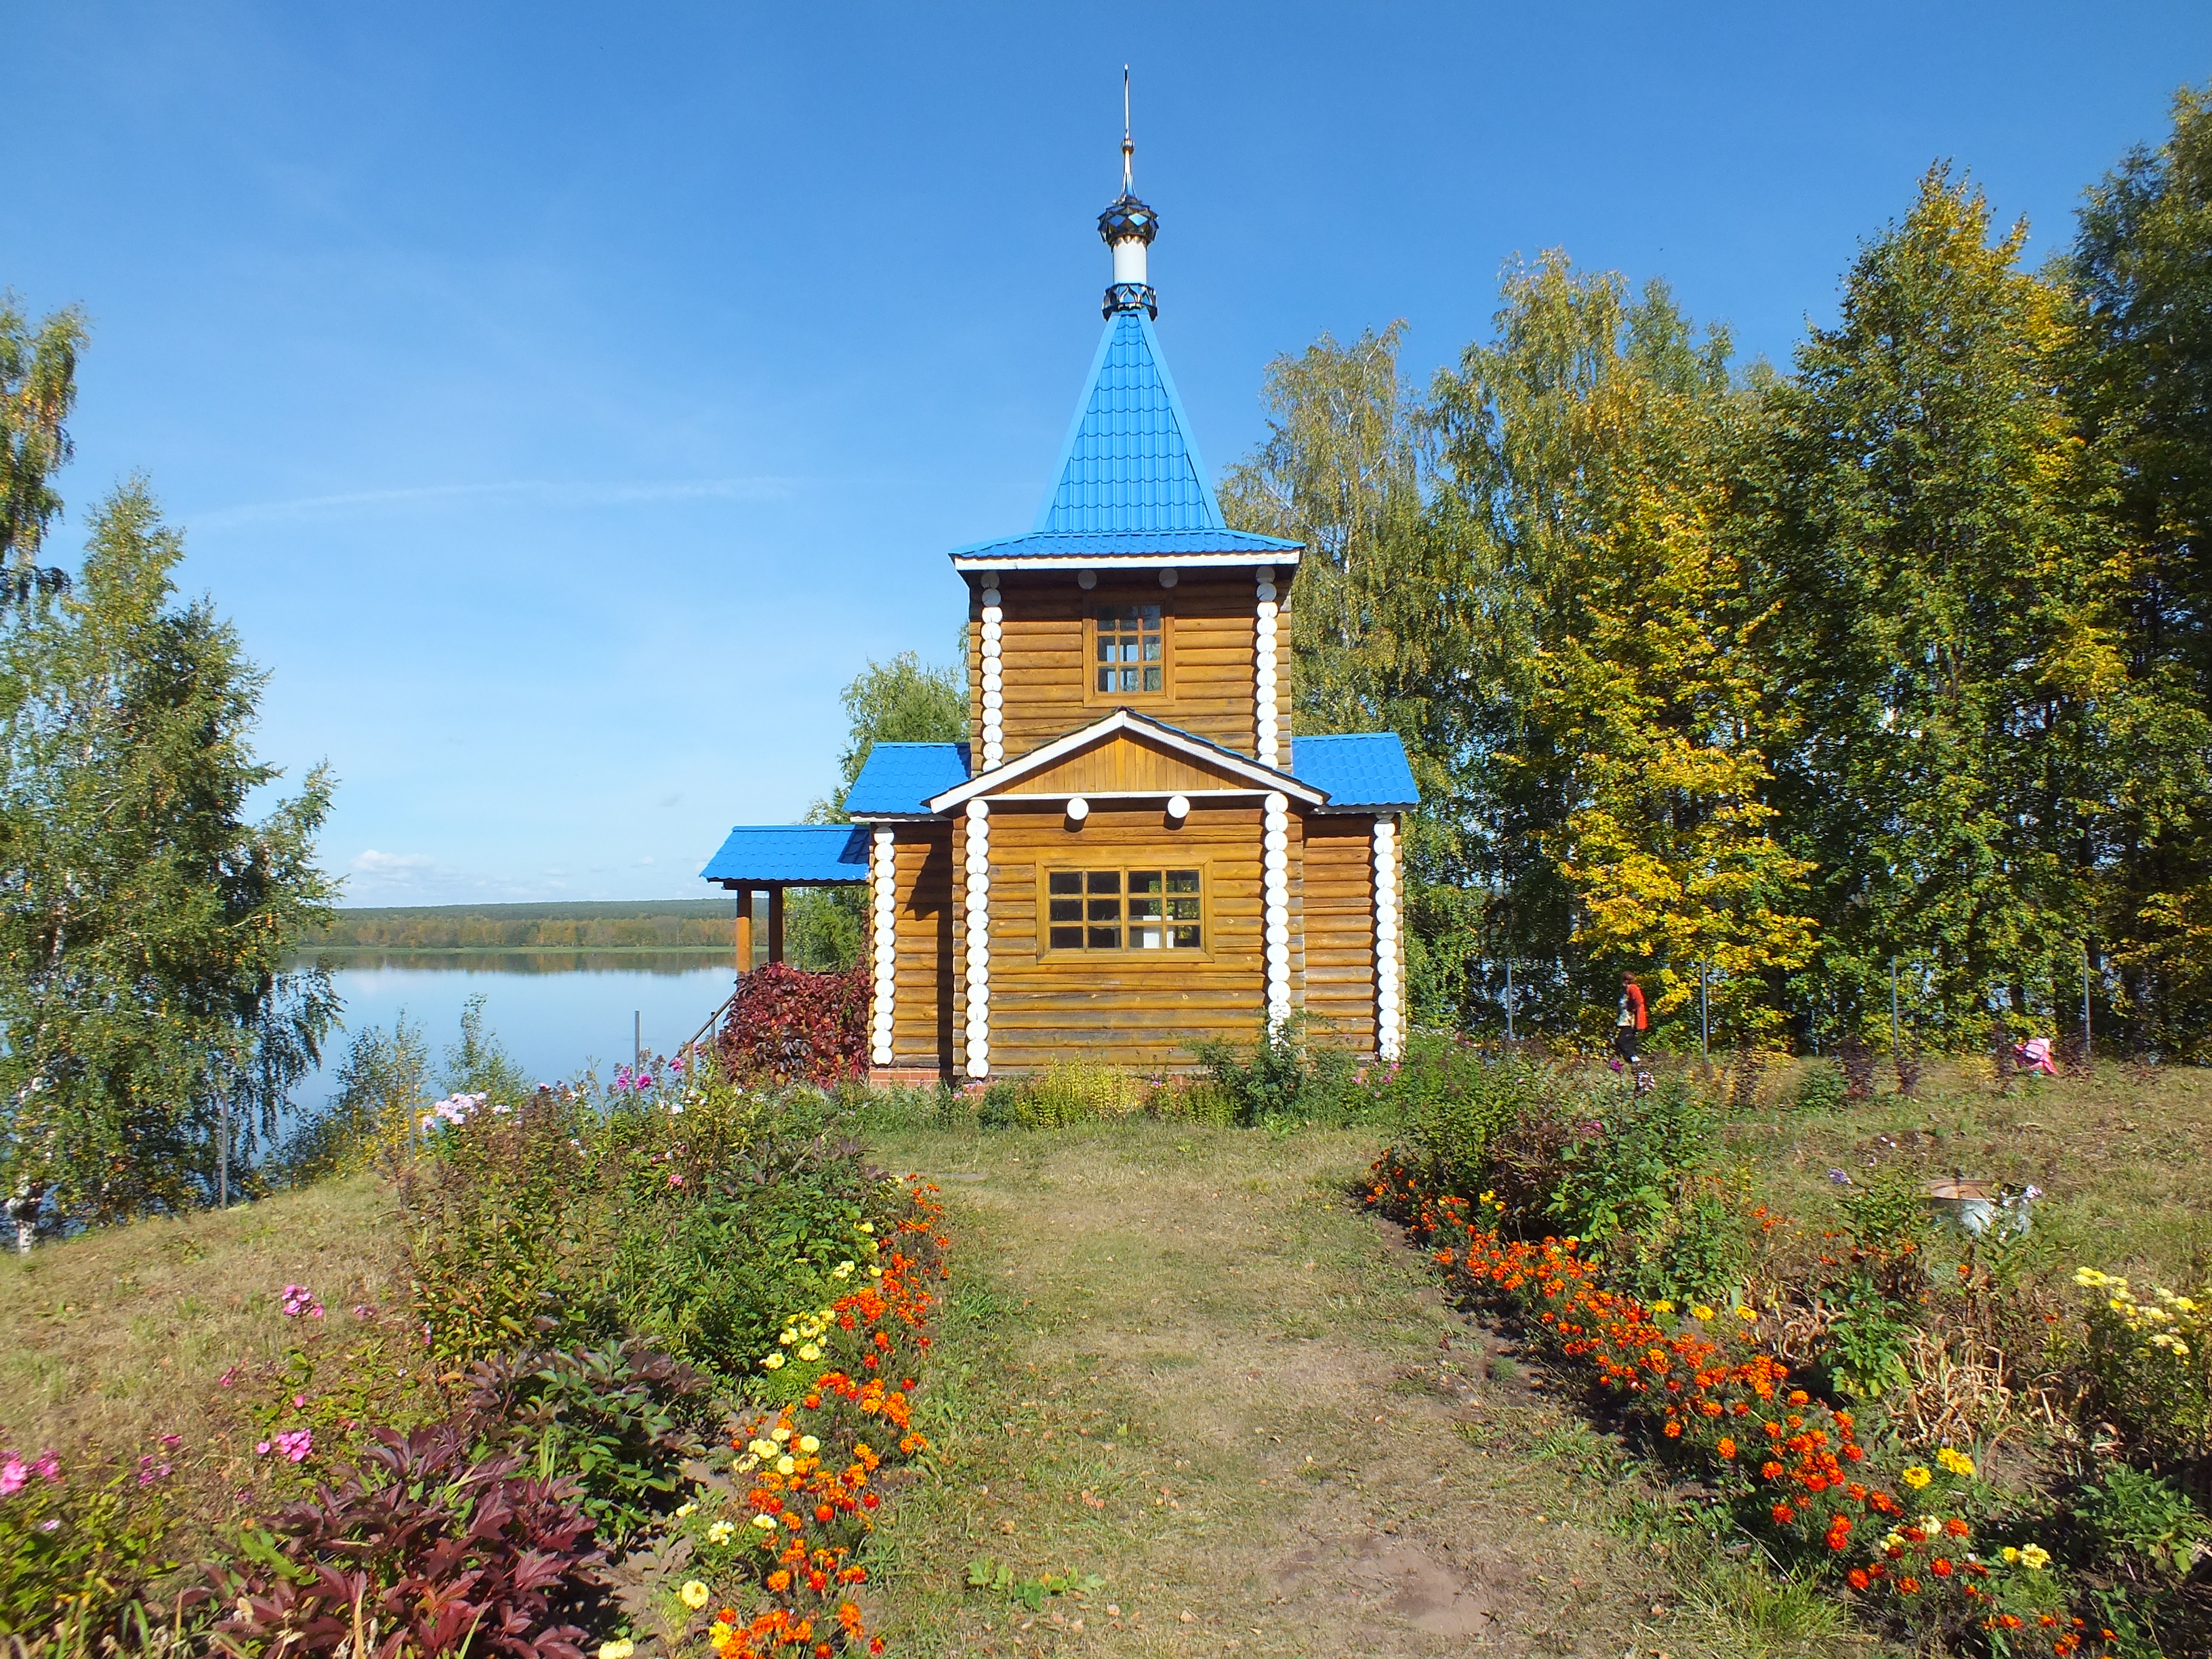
(686, 925)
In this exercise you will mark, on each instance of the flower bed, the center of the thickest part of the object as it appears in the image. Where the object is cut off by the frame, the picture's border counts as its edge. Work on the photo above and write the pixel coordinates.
(1716, 1401)
(785, 1551)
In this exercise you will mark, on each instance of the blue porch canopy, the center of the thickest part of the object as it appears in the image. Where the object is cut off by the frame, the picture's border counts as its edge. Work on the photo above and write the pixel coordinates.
(791, 855)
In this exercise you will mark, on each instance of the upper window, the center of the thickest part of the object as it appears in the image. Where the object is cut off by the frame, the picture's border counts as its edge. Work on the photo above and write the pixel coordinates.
(1124, 910)
(1131, 656)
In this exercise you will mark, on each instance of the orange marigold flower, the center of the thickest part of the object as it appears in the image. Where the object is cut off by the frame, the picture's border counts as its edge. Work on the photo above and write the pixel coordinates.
(1955, 1526)
(1673, 1430)
(1784, 1515)
(1857, 1579)
(1727, 1448)
(1770, 1470)
(1940, 1567)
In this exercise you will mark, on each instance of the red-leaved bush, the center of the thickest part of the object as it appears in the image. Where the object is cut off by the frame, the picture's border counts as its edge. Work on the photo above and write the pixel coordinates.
(797, 1027)
(422, 1549)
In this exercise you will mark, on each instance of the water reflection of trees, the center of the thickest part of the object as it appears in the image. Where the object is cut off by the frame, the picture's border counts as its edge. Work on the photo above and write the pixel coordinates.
(523, 962)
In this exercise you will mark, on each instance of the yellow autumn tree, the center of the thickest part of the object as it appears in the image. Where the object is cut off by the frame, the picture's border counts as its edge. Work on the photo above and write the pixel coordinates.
(1598, 436)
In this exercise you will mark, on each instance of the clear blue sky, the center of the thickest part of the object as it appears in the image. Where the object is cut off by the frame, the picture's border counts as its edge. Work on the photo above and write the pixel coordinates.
(567, 401)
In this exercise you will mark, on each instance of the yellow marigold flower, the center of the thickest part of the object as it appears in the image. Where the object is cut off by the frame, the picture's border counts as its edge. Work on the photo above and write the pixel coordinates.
(1957, 1463)
(2034, 1557)
(773, 1363)
(875, 1273)
(842, 1270)
(788, 1338)
(618, 1650)
(761, 1448)
(1662, 1306)
(786, 1464)
(2011, 1556)
(809, 1445)
(1747, 1314)
(1915, 1477)
(810, 1353)
(867, 1226)
(765, 1522)
(720, 1532)
(682, 1510)
(693, 1594)
(779, 1433)
(2089, 1279)
(1700, 1310)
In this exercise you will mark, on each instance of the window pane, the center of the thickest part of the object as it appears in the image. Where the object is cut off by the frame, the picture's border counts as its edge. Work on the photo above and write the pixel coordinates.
(1147, 939)
(1180, 909)
(1065, 881)
(1185, 938)
(1151, 648)
(1153, 679)
(1105, 680)
(1067, 938)
(1105, 647)
(1179, 881)
(1066, 909)
(1105, 938)
(1144, 909)
(1105, 881)
(1150, 613)
(1143, 881)
(1106, 909)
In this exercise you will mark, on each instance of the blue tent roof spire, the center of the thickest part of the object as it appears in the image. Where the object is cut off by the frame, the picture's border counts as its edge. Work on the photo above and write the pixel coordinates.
(1129, 482)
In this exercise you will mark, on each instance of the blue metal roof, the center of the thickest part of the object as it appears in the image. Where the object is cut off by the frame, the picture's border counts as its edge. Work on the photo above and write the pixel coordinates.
(797, 854)
(1129, 463)
(1125, 544)
(899, 778)
(1357, 768)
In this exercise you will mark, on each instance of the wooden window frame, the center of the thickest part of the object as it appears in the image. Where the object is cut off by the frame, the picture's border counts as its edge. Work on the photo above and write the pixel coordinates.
(1125, 952)
(1092, 696)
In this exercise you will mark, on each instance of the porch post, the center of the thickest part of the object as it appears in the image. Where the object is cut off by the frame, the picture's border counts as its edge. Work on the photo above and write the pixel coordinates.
(743, 942)
(775, 923)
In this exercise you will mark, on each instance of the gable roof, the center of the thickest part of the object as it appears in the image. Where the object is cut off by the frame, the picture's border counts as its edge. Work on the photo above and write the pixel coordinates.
(897, 779)
(1241, 767)
(1358, 769)
(791, 854)
(1129, 481)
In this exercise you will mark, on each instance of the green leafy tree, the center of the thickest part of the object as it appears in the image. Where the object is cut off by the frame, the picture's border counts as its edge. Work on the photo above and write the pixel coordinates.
(145, 920)
(1594, 444)
(38, 389)
(2142, 262)
(1386, 618)
(1949, 584)
(902, 701)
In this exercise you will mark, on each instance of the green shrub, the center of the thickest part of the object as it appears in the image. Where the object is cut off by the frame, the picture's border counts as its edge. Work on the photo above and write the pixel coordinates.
(618, 1422)
(2149, 1360)
(1451, 1102)
(78, 1542)
(1824, 1088)
(1290, 1074)
(371, 1120)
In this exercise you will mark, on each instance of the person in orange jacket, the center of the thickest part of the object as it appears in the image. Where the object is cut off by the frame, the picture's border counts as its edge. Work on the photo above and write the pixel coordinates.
(1629, 1026)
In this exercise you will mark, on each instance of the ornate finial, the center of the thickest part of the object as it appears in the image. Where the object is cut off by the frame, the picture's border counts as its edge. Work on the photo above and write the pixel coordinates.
(1127, 227)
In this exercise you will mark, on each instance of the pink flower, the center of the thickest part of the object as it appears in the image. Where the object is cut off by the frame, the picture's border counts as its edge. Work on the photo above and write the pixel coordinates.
(262, 1451)
(674, 1179)
(13, 1473)
(362, 1310)
(228, 1377)
(298, 1400)
(296, 1445)
(49, 1466)
(298, 1299)
(170, 1442)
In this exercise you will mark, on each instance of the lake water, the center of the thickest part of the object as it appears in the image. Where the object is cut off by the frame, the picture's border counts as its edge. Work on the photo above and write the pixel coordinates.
(557, 1011)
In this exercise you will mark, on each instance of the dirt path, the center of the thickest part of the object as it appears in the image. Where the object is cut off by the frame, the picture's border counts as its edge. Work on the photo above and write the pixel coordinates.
(1177, 1359)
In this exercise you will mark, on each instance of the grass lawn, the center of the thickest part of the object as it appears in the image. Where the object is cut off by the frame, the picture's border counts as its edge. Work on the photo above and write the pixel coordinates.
(1177, 1359)
(2124, 1155)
